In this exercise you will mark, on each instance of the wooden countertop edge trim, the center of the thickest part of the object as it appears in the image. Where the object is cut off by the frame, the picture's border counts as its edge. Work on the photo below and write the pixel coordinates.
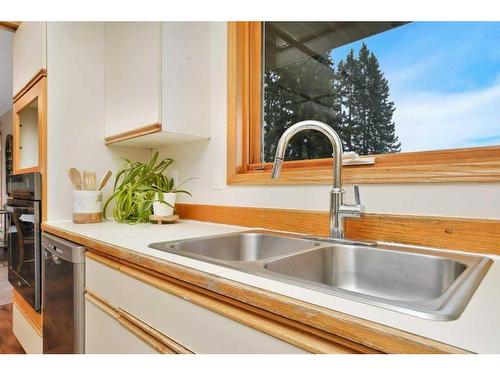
(134, 133)
(366, 333)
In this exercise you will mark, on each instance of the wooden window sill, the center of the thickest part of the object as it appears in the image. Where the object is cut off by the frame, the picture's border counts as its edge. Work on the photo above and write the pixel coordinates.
(460, 165)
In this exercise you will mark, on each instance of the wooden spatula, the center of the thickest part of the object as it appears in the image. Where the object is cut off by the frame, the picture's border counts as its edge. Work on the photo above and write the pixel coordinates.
(105, 180)
(76, 178)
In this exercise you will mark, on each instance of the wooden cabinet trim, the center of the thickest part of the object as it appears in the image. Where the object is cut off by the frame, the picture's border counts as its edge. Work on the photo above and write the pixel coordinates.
(36, 88)
(10, 25)
(321, 321)
(138, 332)
(103, 260)
(134, 133)
(102, 304)
(153, 338)
(33, 317)
(32, 82)
(170, 345)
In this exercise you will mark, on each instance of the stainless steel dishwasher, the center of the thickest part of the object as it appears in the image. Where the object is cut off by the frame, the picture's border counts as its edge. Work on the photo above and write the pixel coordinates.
(63, 270)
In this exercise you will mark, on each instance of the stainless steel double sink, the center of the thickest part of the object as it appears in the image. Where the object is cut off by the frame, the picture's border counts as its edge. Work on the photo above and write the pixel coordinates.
(423, 282)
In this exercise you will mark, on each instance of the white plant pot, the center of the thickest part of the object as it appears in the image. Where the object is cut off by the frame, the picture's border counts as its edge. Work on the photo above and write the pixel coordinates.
(163, 209)
(87, 206)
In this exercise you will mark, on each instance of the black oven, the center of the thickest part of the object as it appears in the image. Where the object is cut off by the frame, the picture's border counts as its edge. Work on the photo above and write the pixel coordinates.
(23, 207)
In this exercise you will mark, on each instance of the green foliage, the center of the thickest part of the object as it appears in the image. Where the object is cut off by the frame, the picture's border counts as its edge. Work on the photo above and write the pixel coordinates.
(136, 185)
(352, 97)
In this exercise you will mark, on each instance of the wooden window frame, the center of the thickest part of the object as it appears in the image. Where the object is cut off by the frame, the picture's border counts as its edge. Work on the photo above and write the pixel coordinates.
(478, 164)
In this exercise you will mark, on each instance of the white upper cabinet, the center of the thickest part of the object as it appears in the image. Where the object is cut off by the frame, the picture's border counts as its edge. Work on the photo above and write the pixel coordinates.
(29, 53)
(157, 82)
(132, 75)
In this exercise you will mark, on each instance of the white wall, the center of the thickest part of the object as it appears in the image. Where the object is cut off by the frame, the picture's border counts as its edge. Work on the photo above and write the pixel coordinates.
(75, 53)
(5, 71)
(5, 101)
(480, 200)
(29, 53)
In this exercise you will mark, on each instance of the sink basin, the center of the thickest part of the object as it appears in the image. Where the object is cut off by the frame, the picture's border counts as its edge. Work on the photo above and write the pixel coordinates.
(377, 273)
(238, 247)
(427, 283)
(431, 284)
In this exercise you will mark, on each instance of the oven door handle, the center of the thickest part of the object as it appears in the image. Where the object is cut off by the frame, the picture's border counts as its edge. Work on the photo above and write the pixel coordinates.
(20, 210)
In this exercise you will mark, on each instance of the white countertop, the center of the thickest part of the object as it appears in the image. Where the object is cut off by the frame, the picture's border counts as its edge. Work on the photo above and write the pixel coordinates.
(477, 329)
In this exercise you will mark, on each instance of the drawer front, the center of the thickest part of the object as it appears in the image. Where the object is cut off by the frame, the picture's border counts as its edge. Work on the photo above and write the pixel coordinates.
(102, 279)
(198, 329)
(105, 335)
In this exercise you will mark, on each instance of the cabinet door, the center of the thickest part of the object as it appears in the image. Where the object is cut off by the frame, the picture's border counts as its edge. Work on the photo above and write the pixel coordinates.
(186, 95)
(29, 53)
(198, 329)
(29, 126)
(105, 335)
(132, 76)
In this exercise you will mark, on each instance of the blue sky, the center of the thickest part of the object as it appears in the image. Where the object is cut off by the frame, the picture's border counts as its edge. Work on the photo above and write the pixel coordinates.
(444, 79)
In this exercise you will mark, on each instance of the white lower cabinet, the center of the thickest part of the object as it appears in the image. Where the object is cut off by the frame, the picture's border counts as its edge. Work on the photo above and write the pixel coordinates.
(103, 281)
(195, 328)
(105, 335)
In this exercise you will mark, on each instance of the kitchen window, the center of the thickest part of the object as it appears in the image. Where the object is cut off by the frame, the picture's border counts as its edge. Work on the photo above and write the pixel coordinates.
(419, 98)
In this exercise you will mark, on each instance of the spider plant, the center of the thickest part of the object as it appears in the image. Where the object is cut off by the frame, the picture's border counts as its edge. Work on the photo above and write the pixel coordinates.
(135, 188)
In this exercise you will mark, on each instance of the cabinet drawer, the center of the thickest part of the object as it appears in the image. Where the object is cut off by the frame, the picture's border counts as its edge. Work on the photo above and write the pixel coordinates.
(198, 329)
(105, 335)
(103, 278)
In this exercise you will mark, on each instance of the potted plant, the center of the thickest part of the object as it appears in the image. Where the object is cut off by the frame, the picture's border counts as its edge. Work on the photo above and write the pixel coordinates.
(140, 188)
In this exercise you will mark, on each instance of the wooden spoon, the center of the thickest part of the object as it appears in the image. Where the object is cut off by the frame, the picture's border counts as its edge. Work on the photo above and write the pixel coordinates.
(76, 178)
(105, 180)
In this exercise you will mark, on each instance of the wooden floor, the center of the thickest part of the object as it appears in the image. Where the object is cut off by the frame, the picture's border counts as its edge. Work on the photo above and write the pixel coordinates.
(5, 287)
(8, 342)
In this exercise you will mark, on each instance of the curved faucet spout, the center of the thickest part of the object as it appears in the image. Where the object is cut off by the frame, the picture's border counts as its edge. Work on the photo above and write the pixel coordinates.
(311, 125)
(338, 210)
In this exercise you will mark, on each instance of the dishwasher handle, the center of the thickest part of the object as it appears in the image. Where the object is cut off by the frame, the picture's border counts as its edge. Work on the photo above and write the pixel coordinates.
(61, 248)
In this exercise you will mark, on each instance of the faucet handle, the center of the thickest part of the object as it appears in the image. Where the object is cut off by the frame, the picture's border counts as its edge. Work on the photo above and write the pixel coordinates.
(357, 198)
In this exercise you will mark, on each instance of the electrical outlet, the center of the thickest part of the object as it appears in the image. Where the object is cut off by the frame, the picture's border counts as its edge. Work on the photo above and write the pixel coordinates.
(217, 178)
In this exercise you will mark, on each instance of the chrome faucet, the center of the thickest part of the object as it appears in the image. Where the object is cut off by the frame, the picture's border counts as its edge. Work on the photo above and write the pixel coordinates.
(338, 210)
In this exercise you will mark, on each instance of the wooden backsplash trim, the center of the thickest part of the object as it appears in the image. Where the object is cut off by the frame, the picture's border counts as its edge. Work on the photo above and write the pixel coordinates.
(471, 235)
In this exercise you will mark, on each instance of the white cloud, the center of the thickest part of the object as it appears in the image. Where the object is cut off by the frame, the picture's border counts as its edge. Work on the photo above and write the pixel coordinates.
(430, 121)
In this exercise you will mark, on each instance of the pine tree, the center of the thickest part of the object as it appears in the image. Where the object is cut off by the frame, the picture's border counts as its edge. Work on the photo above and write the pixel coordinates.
(301, 90)
(352, 98)
(369, 121)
